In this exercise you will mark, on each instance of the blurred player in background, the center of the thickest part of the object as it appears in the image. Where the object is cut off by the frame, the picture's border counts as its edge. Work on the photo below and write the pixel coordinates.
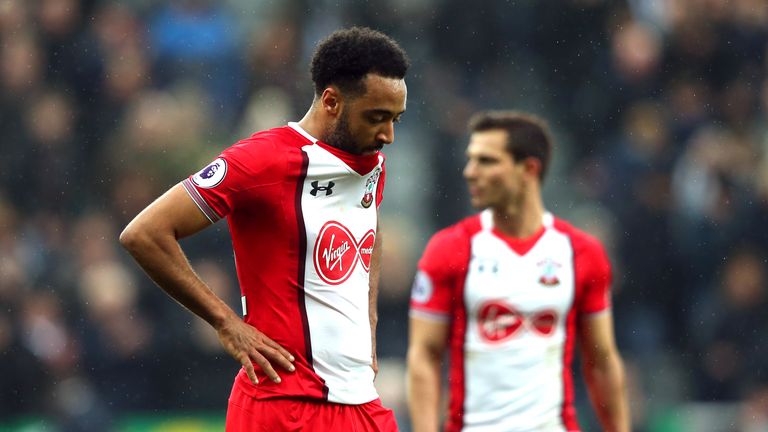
(508, 293)
(302, 206)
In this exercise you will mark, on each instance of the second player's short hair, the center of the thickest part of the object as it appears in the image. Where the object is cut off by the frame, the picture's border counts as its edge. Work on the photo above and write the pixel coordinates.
(346, 56)
(527, 134)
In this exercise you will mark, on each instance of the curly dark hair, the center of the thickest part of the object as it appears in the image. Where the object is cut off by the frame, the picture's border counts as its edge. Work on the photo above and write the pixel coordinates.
(347, 55)
(527, 134)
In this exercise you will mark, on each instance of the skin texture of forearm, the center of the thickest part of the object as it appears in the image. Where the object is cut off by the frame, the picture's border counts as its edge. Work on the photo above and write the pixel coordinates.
(606, 384)
(423, 390)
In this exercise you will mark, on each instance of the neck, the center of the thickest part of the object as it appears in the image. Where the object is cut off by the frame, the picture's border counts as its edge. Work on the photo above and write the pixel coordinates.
(522, 220)
(312, 123)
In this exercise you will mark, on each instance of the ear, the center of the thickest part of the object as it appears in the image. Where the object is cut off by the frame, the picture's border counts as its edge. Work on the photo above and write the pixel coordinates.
(532, 167)
(331, 101)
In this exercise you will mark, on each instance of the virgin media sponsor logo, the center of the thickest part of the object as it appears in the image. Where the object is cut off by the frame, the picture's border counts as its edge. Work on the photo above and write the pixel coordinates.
(337, 252)
(544, 322)
(499, 321)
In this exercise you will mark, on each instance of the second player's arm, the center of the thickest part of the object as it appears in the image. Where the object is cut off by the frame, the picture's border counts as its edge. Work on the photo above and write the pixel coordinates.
(152, 239)
(428, 340)
(604, 372)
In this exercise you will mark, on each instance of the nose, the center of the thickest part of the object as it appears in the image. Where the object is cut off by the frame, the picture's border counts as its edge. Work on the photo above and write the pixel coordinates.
(469, 170)
(387, 134)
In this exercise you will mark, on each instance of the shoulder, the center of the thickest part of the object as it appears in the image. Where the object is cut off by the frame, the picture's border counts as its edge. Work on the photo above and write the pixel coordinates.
(589, 255)
(457, 234)
(582, 242)
(449, 248)
(270, 142)
(266, 151)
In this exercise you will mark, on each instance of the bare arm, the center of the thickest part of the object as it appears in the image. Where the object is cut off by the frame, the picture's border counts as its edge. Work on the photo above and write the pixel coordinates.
(152, 239)
(373, 296)
(604, 372)
(427, 343)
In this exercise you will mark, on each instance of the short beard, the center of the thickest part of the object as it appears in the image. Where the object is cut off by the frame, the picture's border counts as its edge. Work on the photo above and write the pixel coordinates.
(341, 137)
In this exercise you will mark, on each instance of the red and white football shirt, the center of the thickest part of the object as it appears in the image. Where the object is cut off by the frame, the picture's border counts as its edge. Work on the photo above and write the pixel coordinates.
(513, 307)
(303, 230)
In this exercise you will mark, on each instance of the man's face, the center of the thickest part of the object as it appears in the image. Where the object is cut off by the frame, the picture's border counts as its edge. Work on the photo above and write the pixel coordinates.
(367, 122)
(494, 178)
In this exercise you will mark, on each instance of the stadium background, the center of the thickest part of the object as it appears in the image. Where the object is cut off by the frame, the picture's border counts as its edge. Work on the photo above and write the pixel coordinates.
(659, 107)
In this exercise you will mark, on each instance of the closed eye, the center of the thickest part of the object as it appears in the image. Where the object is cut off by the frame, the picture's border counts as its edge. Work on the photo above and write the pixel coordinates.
(382, 116)
(484, 160)
(377, 118)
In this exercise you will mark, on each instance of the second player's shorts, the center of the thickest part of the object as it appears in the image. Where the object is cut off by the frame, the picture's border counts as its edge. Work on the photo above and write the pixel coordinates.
(246, 414)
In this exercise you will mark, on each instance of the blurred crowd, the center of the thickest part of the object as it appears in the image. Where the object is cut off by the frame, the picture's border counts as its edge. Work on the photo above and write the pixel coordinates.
(660, 110)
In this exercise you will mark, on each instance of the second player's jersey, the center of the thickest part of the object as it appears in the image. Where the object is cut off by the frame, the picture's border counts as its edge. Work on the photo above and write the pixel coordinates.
(303, 219)
(512, 306)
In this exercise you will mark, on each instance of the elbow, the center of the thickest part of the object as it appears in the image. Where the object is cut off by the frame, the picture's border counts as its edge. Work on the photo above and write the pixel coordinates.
(131, 238)
(610, 365)
(127, 238)
(418, 356)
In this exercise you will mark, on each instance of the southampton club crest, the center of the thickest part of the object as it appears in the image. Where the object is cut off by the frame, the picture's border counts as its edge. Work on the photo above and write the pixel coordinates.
(370, 188)
(549, 270)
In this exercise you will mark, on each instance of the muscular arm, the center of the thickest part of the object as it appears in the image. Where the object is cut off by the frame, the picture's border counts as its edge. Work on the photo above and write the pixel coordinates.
(152, 239)
(604, 372)
(373, 296)
(427, 343)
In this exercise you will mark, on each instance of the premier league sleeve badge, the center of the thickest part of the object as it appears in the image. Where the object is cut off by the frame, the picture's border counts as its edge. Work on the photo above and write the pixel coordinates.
(211, 175)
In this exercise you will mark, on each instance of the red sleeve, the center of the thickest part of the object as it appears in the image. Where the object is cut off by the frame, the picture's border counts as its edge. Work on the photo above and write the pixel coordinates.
(228, 181)
(593, 275)
(441, 266)
(380, 184)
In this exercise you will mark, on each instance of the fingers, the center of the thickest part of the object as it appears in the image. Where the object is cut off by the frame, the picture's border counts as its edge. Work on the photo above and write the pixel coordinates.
(248, 346)
(248, 366)
(279, 355)
(265, 366)
(280, 349)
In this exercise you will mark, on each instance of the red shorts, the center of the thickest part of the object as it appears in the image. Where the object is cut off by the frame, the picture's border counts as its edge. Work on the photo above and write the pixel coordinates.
(245, 414)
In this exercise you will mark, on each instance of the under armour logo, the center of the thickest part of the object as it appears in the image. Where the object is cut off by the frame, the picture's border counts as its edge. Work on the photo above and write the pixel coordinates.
(486, 265)
(327, 189)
